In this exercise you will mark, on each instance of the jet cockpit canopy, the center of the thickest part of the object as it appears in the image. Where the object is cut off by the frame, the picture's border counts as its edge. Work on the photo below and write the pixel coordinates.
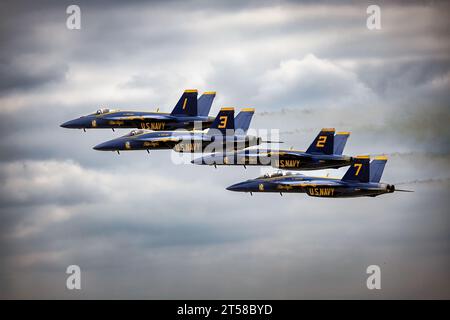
(103, 110)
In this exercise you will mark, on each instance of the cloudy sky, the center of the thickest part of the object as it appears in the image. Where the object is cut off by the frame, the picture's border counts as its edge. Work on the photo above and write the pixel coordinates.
(141, 226)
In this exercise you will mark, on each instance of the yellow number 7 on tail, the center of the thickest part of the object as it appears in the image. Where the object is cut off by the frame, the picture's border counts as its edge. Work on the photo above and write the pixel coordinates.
(358, 167)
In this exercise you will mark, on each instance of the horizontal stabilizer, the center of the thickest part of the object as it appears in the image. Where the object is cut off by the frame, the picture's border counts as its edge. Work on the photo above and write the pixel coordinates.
(204, 103)
(340, 139)
(376, 168)
(243, 119)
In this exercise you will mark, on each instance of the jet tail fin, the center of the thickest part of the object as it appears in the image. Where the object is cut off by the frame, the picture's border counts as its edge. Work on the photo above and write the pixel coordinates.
(223, 123)
(243, 119)
(187, 105)
(204, 103)
(376, 168)
(323, 143)
(340, 139)
(359, 171)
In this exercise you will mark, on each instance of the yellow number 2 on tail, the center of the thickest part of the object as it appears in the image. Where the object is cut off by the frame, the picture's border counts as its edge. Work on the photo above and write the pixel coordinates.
(321, 141)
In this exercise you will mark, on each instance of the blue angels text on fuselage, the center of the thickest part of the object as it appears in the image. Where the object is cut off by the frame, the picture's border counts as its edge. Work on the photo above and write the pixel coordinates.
(187, 113)
(222, 135)
(325, 152)
(361, 179)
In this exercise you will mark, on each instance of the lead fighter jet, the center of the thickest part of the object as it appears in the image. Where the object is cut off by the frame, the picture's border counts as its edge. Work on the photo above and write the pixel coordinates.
(186, 113)
(325, 152)
(220, 136)
(361, 179)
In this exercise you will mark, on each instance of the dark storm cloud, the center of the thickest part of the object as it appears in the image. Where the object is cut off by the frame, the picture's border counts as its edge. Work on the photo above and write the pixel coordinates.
(393, 78)
(17, 76)
(140, 226)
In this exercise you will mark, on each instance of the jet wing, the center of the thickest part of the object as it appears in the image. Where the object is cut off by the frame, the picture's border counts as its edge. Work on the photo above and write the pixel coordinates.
(171, 138)
(248, 155)
(162, 139)
(310, 183)
(288, 153)
(271, 153)
(144, 117)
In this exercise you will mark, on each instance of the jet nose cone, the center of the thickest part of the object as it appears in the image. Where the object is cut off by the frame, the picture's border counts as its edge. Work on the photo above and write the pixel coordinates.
(105, 146)
(74, 124)
(98, 147)
(118, 144)
(241, 186)
(66, 124)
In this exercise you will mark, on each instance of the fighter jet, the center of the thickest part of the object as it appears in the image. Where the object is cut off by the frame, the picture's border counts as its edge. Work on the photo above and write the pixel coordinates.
(220, 136)
(186, 112)
(324, 152)
(361, 179)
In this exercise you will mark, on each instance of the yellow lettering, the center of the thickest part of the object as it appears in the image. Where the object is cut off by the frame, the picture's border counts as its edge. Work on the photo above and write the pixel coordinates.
(358, 167)
(188, 147)
(153, 125)
(288, 163)
(320, 192)
(321, 142)
(223, 122)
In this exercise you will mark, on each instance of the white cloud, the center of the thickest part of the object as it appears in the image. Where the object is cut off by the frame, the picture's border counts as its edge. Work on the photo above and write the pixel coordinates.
(60, 190)
(313, 82)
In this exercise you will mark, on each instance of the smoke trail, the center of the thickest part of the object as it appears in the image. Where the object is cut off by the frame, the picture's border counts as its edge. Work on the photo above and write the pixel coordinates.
(432, 180)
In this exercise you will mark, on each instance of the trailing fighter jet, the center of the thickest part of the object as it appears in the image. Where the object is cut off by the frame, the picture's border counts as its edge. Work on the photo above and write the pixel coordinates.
(361, 179)
(221, 135)
(325, 152)
(186, 112)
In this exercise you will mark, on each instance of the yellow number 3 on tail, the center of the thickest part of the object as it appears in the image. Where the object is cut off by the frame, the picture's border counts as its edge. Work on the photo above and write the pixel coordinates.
(223, 122)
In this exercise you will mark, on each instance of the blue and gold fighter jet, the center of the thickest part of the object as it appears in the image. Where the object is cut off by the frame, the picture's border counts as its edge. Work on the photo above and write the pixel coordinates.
(325, 152)
(187, 112)
(361, 179)
(220, 136)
